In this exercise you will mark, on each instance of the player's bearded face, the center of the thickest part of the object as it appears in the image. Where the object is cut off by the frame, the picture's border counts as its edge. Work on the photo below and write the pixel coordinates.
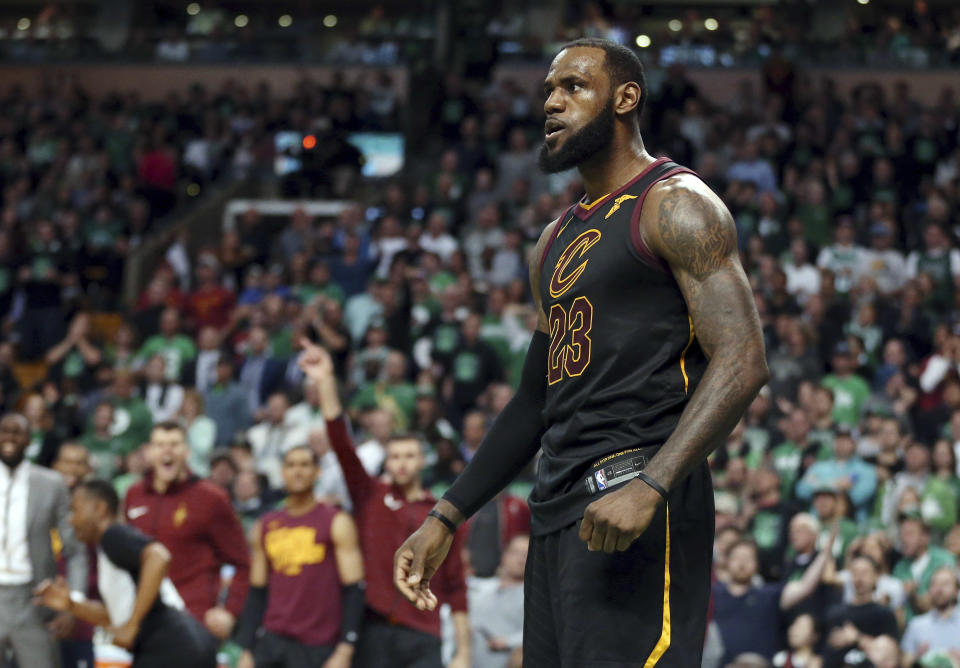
(582, 145)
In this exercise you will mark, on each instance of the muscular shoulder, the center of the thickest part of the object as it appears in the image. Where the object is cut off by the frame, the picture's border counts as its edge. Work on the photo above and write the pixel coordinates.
(685, 222)
(536, 255)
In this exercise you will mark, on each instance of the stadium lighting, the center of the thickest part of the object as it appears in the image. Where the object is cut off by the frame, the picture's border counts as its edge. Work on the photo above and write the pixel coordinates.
(675, 25)
(711, 24)
(643, 41)
(23, 24)
(193, 9)
(864, 2)
(241, 21)
(330, 20)
(285, 21)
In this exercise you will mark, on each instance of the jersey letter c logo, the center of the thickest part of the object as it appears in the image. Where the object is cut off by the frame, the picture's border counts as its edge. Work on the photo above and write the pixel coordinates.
(561, 281)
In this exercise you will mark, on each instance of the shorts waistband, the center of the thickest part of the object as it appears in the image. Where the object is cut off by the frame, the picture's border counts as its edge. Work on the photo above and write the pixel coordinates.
(618, 468)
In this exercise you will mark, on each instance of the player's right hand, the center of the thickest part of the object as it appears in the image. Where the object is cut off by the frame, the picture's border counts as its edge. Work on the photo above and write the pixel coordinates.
(417, 561)
(315, 361)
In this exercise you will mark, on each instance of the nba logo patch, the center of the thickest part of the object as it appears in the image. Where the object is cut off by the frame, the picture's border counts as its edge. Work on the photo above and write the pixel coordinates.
(601, 480)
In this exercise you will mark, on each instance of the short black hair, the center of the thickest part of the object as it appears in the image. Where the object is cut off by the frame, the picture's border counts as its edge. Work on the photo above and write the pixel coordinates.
(103, 491)
(622, 65)
(306, 448)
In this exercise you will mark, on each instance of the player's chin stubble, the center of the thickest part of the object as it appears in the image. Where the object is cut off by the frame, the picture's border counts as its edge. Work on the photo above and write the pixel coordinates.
(592, 138)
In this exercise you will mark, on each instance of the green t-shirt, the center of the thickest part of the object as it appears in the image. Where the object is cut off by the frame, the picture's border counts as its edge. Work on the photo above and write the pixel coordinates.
(494, 332)
(848, 396)
(281, 343)
(817, 222)
(132, 423)
(177, 352)
(399, 399)
(935, 558)
(104, 453)
(766, 528)
(823, 437)
(848, 530)
(939, 504)
(441, 280)
(445, 338)
(307, 292)
(123, 482)
(758, 438)
(786, 459)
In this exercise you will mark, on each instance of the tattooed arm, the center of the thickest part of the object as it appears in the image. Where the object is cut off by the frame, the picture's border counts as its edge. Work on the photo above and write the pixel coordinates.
(695, 234)
(688, 226)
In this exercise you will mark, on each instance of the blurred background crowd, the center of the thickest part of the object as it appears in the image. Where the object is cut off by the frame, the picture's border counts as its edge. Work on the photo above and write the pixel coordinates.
(128, 299)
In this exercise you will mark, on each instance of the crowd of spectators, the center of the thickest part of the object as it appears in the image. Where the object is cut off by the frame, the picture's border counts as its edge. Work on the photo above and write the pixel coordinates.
(906, 33)
(847, 210)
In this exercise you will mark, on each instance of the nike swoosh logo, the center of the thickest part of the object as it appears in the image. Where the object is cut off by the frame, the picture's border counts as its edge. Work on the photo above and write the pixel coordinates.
(139, 511)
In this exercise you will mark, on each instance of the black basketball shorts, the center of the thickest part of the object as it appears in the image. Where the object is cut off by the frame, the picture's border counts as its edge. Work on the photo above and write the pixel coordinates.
(644, 607)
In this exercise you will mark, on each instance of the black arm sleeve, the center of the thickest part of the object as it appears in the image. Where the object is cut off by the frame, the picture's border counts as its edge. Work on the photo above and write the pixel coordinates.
(252, 617)
(352, 610)
(513, 439)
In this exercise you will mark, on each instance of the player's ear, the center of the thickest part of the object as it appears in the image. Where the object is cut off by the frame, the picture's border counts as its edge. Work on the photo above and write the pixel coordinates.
(626, 97)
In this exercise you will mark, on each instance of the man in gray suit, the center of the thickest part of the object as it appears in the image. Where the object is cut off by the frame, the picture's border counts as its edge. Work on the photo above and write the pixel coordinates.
(34, 513)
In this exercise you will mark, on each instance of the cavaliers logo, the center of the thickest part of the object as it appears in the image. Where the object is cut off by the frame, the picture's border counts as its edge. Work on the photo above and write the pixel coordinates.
(562, 280)
(180, 516)
(292, 548)
(616, 204)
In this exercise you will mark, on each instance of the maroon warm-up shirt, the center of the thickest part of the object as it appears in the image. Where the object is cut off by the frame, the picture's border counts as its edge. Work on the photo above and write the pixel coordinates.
(303, 591)
(195, 521)
(384, 520)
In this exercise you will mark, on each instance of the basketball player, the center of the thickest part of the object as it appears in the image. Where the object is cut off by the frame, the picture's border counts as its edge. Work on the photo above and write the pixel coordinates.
(141, 607)
(306, 579)
(647, 352)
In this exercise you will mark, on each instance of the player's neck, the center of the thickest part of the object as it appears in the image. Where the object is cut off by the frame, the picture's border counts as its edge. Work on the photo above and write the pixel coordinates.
(412, 491)
(161, 486)
(300, 504)
(609, 169)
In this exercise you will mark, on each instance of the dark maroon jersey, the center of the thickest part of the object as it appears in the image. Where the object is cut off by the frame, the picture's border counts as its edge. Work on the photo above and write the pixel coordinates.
(303, 592)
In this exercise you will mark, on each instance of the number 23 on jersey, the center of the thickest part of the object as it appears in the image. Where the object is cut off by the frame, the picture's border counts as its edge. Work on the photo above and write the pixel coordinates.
(570, 342)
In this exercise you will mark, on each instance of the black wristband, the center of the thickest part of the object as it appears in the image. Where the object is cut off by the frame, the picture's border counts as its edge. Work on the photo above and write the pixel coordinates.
(657, 487)
(352, 608)
(446, 521)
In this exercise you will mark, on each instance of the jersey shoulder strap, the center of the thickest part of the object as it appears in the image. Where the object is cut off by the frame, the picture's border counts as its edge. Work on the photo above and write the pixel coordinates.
(640, 249)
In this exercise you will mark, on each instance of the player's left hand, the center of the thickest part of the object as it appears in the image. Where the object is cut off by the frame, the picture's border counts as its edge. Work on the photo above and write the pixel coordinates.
(219, 622)
(613, 522)
(341, 657)
(124, 636)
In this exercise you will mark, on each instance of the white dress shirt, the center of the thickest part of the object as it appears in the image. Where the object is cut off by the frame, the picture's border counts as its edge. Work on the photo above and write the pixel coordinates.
(15, 566)
(163, 400)
(206, 368)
